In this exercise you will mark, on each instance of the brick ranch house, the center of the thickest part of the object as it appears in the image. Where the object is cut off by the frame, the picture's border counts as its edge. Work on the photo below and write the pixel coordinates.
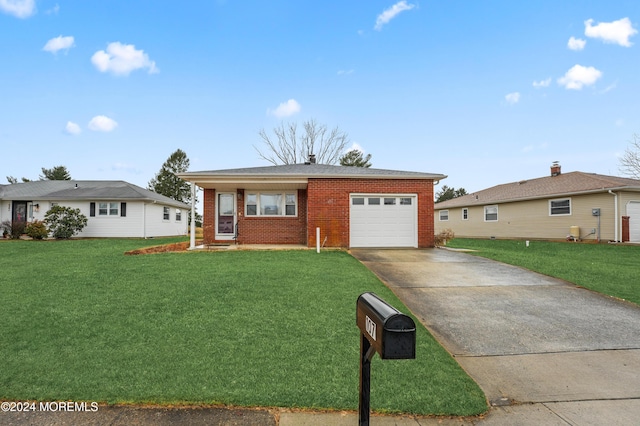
(352, 206)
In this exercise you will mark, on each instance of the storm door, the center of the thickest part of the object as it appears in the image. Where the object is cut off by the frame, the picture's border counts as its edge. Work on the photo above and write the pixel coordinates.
(19, 211)
(225, 227)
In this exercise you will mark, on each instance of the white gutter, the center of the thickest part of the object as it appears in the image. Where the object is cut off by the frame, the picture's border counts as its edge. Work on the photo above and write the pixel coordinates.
(615, 208)
(192, 243)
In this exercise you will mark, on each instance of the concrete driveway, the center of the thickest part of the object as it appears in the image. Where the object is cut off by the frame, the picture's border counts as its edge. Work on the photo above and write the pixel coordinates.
(543, 350)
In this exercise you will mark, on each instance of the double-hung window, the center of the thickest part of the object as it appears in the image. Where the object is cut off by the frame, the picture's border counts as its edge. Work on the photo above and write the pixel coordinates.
(560, 207)
(165, 213)
(178, 215)
(491, 213)
(271, 204)
(108, 209)
(444, 215)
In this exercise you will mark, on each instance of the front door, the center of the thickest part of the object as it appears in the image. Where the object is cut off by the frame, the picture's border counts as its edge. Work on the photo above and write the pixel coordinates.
(19, 212)
(226, 217)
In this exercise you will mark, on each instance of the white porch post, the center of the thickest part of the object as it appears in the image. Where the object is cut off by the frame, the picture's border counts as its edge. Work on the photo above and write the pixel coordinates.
(192, 244)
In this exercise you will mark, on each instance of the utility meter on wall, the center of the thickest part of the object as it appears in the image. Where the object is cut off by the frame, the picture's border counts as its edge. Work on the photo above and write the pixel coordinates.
(595, 212)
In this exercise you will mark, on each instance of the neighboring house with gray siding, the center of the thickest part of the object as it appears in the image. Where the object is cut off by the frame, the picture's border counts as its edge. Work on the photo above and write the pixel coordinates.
(587, 206)
(113, 208)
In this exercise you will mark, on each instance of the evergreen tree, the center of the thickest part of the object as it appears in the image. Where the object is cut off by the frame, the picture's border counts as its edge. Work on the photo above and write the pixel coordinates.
(355, 158)
(55, 173)
(447, 193)
(167, 183)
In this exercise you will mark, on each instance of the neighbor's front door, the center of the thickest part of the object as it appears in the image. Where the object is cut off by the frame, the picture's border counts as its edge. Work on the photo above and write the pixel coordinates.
(19, 211)
(226, 217)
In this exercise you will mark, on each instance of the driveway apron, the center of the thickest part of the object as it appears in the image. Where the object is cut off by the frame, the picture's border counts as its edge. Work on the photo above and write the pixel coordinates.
(526, 338)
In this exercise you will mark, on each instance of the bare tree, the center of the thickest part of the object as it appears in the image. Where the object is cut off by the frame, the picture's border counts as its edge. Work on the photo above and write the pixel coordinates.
(286, 146)
(630, 161)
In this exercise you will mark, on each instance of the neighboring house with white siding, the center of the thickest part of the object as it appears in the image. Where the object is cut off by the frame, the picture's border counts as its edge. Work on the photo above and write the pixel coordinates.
(585, 206)
(113, 208)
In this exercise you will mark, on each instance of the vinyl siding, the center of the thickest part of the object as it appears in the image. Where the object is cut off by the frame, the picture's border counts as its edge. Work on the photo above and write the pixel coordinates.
(143, 220)
(531, 219)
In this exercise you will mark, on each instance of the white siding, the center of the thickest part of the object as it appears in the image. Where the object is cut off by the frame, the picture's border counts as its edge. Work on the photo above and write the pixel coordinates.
(143, 220)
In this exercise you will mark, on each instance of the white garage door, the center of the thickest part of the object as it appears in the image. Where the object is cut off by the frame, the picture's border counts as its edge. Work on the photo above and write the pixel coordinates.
(383, 220)
(633, 211)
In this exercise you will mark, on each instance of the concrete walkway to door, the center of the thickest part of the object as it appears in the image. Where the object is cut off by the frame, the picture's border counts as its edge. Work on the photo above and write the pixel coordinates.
(543, 350)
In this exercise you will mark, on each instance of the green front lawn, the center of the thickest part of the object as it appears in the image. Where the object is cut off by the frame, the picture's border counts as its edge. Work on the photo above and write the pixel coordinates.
(81, 321)
(605, 268)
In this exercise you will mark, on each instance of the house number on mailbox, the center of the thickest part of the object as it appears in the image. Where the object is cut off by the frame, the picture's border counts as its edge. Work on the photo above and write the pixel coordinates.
(371, 327)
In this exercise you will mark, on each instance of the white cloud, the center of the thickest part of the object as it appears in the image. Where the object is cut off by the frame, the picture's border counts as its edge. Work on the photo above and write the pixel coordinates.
(121, 59)
(54, 10)
(355, 147)
(18, 8)
(286, 109)
(617, 32)
(58, 43)
(72, 128)
(579, 76)
(391, 13)
(102, 123)
(576, 43)
(542, 83)
(512, 98)
(346, 72)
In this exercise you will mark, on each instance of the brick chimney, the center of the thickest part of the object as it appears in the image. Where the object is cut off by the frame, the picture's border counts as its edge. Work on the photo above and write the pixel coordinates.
(555, 169)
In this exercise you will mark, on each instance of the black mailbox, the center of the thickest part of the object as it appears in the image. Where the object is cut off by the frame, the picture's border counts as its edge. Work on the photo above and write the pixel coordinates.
(391, 333)
(385, 330)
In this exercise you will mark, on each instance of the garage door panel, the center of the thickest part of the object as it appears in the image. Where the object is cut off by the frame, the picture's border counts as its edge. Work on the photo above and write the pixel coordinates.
(391, 223)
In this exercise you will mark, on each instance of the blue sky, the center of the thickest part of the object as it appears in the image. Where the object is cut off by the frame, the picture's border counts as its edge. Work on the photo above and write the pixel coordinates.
(486, 92)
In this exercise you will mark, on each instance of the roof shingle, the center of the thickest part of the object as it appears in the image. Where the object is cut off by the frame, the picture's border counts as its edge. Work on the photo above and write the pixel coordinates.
(550, 186)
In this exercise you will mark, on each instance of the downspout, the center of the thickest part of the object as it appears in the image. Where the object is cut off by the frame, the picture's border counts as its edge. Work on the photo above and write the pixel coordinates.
(192, 244)
(615, 209)
(144, 220)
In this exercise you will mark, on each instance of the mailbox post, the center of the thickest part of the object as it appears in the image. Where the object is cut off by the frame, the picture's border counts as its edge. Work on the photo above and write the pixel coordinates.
(384, 330)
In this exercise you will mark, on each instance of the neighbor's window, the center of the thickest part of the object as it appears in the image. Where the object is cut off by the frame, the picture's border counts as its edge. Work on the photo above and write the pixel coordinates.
(165, 213)
(465, 214)
(108, 209)
(561, 207)
(178, 215)
(491, 213)
(271, 204)
(444, 215)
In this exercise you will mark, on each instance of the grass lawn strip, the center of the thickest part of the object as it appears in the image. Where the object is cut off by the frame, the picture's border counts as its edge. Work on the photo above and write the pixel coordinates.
(606, 268)
(83, 322)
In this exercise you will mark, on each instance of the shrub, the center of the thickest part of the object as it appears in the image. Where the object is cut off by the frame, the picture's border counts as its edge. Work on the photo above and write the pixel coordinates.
(444, 235)
(64, 222)
(37, 230)
(13, 229)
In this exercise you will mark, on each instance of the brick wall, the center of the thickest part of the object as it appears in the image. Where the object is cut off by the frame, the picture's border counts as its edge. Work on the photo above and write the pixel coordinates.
(328, 206)
(256, 229)
(324, 204)
(274, 230)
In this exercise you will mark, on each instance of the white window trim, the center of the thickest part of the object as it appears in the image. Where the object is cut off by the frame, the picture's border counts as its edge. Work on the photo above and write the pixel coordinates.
(108, 203)
(166, 219)
(465, 209)
(440, 216)
(562, 214)
(497, 213)
(178, 215)
(283, 206)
